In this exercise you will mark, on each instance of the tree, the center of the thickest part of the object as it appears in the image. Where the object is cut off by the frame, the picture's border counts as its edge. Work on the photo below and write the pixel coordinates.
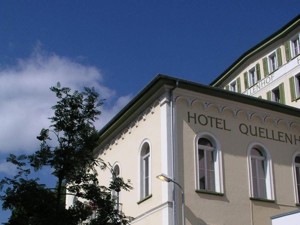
(67, 147)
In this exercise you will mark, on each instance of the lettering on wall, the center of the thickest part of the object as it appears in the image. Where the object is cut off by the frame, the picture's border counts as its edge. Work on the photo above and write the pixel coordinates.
(204, 120)
(243, 128)
(259, 85)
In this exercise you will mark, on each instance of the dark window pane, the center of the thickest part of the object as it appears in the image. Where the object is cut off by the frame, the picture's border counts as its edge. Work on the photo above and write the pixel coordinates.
(202, 182)
(211, 180)
(201, 159)
(206, 164)
(205, 142)
(258, 166)
(262, 188)
(256, 152)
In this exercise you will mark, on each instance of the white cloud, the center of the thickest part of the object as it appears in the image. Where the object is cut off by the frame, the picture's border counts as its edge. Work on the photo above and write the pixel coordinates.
(107, 113)
(7, 168)
(26, 100)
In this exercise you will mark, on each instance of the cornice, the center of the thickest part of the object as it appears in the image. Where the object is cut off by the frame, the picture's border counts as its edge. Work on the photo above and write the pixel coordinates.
(263, 115)
(127, 130)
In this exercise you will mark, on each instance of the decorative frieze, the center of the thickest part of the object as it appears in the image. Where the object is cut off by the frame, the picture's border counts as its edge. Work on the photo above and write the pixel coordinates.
(263, 116)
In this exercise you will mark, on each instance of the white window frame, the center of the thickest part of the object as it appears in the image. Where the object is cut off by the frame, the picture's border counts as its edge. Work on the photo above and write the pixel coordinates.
(268, 172)
(297, 85)
(275, 95)
(296, 166)
(295, 50)
(145, 191)
(233, 86)
(272, 62)
(217, 164)
(114, 194)
(252, 76)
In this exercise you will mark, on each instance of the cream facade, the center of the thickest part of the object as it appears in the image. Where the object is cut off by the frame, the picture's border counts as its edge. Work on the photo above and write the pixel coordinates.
(270, 70)
(235, 157)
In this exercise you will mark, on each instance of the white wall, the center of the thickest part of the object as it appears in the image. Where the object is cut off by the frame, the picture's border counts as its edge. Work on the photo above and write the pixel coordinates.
(289, 219)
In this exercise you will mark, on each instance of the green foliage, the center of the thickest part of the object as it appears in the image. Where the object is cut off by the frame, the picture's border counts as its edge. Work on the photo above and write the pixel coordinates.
(67, 147)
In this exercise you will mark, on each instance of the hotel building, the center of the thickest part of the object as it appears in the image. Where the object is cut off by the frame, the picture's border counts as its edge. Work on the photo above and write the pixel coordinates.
(236, 158)
(231, 150)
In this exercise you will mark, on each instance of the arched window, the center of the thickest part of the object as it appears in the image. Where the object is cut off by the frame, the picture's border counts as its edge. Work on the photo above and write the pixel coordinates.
(116, 171)
(115, 174)
(297, 176)
(260, 173)
(145, 170)
(208, 165)
(115, 194)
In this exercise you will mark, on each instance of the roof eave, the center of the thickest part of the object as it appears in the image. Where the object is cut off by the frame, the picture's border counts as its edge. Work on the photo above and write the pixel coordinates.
(257, 48)
(161, 83)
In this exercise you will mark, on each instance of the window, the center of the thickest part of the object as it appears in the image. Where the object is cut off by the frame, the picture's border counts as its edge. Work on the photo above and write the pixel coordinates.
(297, 176)
(297, 83)
(233, 86)
(208, 165)
(295, 46)
(295, 87)
(145, 171)
(115, 175)
(273, 62)
(277, 94)
(260, 173)
(251, 77)
(116, 193)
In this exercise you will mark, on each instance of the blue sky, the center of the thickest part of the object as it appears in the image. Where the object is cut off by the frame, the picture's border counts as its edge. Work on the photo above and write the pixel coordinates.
(117, 46)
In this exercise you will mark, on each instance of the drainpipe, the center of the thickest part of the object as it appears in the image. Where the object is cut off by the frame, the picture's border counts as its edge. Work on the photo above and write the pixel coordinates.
(173, 144)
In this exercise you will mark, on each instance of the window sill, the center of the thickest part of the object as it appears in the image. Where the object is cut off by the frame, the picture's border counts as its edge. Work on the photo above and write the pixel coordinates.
(262, 200)
(144, 199)
(294, 56)
(297, 98)
(209, 192)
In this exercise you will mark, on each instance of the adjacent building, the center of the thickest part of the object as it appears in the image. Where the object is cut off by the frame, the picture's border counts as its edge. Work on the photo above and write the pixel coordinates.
(270, 70)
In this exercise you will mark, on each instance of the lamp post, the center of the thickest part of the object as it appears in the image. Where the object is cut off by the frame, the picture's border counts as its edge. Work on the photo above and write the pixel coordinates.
(165, 178)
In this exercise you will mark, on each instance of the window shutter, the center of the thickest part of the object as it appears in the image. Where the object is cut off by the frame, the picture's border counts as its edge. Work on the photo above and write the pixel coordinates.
(279, 56)
(227, 87)
(258, 71)
(269, 95)
(265, 66)
(292, 88)
(246, 80)
(287, 51)
(238, 83)
(282, 94)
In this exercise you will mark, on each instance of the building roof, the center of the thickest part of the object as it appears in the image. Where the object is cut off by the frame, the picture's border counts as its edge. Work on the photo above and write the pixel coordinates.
(161, 83)
(257, 48)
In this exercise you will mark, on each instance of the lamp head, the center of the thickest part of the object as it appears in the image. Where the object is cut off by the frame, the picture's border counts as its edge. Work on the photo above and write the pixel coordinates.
(164, 177)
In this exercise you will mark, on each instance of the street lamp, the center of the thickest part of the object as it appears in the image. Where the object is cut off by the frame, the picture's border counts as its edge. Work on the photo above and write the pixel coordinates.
(165, 178)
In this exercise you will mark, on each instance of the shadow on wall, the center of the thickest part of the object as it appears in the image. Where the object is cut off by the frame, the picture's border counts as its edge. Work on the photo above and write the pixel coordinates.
(192, 218)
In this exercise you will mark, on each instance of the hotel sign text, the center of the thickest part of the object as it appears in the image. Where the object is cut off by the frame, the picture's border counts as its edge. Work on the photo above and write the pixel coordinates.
(259, 85)
(243, 128)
